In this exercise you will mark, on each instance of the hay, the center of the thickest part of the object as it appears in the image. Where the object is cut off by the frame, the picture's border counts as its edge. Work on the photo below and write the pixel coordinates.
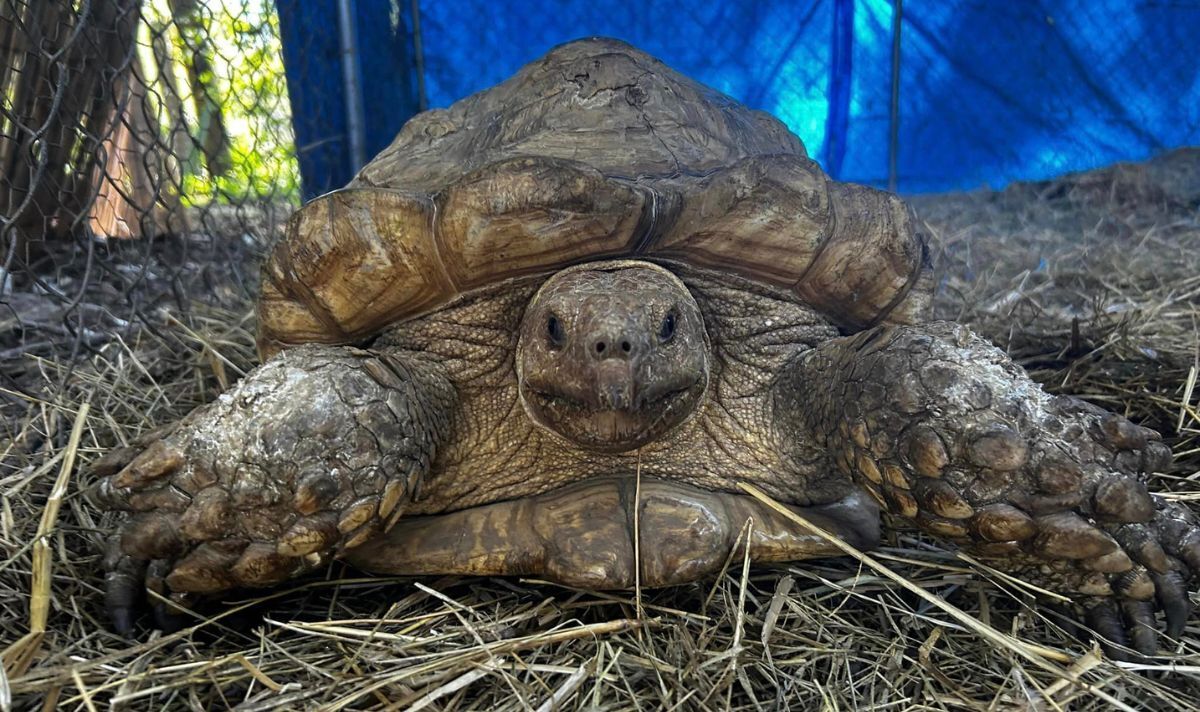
(1089, 281)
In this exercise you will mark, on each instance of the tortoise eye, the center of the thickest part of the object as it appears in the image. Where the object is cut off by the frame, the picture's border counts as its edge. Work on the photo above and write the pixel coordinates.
(556, 332)
(667, 330)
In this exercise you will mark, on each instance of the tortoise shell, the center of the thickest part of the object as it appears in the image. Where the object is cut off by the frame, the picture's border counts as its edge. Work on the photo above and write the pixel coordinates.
(595, 151)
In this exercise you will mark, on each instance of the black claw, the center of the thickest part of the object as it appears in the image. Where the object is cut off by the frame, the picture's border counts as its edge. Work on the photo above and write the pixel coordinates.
(1105, 621)
(167, 619)
(121, 620)
(1140, 624)
(1065, 617)
(1173, 598)
(1140, 543)
(122, 587)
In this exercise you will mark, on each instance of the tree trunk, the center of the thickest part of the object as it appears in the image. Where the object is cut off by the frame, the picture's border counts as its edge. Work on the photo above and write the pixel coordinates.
(62, 110)
(214, 139)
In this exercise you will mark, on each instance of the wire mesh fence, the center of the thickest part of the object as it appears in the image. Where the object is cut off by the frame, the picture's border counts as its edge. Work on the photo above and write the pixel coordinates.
(145, 145)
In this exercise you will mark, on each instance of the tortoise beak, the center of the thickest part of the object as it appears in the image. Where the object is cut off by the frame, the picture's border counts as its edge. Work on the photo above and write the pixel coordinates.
(615, 385)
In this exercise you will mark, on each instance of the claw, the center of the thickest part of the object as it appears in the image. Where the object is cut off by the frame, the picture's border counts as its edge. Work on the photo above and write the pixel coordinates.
(1139, 617)
(1173, 598)
(123, 582)
(1105, 621)
(1142, 546)
(165, 617)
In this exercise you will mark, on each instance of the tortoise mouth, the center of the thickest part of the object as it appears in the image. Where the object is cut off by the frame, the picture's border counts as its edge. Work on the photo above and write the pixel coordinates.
(613, 429)
(587, 535)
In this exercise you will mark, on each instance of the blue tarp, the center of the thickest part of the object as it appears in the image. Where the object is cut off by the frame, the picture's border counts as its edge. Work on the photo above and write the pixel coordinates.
(989, 91)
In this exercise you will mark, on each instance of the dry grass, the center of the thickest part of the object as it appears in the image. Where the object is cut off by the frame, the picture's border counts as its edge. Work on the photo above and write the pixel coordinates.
(1091, 282)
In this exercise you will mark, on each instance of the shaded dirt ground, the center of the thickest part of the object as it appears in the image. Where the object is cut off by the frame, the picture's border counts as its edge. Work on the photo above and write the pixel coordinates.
(1092, 282)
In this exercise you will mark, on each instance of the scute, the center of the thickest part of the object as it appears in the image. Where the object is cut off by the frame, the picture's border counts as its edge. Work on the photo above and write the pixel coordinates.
(517, 215)
(595, 151)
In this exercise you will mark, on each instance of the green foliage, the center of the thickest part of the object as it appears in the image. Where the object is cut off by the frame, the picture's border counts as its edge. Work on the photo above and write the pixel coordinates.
(245, 82)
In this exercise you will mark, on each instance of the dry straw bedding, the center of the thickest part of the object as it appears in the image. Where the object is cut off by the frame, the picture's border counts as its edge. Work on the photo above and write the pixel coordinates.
(1092, 282)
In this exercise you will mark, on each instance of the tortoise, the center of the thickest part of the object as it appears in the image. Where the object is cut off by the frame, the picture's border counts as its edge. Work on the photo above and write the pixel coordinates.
(557, 328)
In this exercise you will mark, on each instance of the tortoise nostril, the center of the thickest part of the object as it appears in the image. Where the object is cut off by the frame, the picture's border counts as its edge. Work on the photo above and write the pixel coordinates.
(613, 346)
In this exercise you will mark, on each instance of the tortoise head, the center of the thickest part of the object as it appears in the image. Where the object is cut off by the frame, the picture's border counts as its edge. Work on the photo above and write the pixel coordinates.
(612, 355)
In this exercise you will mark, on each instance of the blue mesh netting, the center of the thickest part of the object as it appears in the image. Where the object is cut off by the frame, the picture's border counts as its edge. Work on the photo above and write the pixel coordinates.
(989, 92)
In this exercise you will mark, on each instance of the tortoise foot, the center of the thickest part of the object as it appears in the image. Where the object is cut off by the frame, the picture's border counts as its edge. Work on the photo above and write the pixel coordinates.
(310, 455)
(944, 429)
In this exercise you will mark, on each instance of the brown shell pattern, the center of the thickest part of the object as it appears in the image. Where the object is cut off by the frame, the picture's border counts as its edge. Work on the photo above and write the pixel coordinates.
(595, 151)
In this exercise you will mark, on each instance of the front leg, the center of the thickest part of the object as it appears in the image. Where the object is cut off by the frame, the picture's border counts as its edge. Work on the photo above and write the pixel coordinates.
(942, 428)
(311, 454)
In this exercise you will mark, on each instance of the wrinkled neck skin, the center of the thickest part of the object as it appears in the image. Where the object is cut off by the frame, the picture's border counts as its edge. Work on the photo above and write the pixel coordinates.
(542, 406)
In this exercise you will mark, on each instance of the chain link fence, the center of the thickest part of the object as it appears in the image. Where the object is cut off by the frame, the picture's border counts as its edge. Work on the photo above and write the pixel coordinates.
(146, 155)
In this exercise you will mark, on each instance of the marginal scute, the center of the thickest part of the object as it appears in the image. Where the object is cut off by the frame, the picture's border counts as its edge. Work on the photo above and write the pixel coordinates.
(533, 214)
(348, 263)
(768, 215)
(864, 270)
(557, 166)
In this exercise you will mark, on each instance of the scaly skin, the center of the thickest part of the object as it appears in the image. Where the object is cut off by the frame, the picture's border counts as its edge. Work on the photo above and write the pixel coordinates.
(943, 429)
(322, 447)
(311, 454)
